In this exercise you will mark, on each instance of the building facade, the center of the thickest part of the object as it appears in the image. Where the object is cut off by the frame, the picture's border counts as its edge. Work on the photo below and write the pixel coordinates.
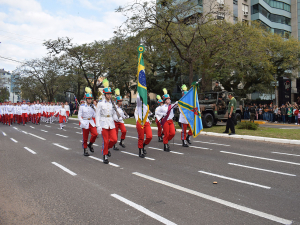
(8, 81)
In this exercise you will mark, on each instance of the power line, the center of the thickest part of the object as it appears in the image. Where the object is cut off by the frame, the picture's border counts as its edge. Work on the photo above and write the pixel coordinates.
(10, 59)
(9, 38)
(22, 35)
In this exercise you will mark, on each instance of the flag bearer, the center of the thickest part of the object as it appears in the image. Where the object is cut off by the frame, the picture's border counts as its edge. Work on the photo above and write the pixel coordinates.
(105, 122)
(85, 115)
(184, 123)
(119, 122)
(167, 122)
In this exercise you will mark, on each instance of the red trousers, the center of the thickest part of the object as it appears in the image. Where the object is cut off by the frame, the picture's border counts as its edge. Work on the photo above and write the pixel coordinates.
(85, 133)
(38, 117)
(109, 139)
(183, 131)
(169, 131)
(33, 118)
(24, 117)
(159, 128)
(141, 133)
(120, 126)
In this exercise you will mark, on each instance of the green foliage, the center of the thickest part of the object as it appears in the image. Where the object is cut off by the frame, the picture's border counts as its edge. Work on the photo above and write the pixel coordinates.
(247, 126)
(4, 94)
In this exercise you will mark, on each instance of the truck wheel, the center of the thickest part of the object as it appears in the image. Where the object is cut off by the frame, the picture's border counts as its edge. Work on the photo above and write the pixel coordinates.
(208, 120)
(238, 118)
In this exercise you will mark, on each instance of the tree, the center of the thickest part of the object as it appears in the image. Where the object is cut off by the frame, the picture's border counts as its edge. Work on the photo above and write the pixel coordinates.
(4, 94)
(89, 58)
(41, 78)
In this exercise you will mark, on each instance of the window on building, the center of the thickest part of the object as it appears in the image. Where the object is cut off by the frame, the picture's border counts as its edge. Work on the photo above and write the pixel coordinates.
(279, 5)
(235, 2)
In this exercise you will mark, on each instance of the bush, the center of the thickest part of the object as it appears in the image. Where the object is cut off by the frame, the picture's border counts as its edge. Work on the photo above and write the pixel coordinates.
(247, 126)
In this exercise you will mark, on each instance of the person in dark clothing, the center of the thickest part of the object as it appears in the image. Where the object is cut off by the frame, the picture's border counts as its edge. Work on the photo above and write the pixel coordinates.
(231, 115)
(217, 87)
(71, 108)
(252, 113)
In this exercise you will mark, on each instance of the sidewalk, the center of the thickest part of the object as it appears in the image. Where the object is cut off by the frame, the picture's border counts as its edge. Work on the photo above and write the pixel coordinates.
(246, 137)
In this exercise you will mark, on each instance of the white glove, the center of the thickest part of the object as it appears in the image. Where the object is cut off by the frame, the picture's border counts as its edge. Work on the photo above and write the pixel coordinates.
(99, 130)
(176, 103)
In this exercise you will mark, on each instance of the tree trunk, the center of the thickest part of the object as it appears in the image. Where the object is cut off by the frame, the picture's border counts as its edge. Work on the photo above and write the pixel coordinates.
(191, 74)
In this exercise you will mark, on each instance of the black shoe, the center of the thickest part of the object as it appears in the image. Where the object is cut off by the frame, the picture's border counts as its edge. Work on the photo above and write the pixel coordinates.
(232, 134)
(160, 139)
(109, 154)
(91, 147)
(121, 143)
(140, 153)
(225, 132)
(188, 139)
(115, 148)
(184, 144)
(85, 153)
(105, 159)
(166, 148)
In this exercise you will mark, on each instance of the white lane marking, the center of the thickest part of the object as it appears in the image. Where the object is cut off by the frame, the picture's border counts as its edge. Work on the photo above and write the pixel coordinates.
(271, 171)
(78, 133)
(62, 135)
(37, 136)
(78, 128)
(132, 137)
(24, 132)
(217, 200)
(256, 157)
(15, 128)
(4, 134)
(194, 146)
(64, 169)
(76, 123)
(47, 126)
(14, 140)
(44, 131)
(179, 153)
(61, 146)
(28, 149)
(143, 210)
(129, 153)
(236, 180)
(95, 145)
(285, 153)
(32, 127)
(112, 164)
(211, 143)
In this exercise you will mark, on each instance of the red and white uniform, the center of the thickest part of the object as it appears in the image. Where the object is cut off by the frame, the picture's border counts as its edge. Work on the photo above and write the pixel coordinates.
(38, 112)
(24, 108)
(106, 125)
(184, 126)
(158, 116)
(85, 115)
(146, 129)
(67, 107)
(119, 122)
(10, 113)
(169, 128)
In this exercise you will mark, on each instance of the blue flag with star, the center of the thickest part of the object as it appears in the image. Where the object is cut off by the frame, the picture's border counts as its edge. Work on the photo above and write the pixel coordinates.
(189, 106)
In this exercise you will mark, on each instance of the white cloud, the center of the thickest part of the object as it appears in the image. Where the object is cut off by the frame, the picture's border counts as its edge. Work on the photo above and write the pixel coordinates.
(33, 24)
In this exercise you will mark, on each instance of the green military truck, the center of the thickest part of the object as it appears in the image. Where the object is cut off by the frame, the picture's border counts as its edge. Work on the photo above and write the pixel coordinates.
(214, 106)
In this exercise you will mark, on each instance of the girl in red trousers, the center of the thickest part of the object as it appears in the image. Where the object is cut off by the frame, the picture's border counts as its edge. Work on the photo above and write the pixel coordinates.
(167, 121)
(62, 116)
(158, 116)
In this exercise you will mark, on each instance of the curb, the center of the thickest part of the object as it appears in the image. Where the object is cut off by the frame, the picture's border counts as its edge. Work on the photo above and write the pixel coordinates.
(246, 137)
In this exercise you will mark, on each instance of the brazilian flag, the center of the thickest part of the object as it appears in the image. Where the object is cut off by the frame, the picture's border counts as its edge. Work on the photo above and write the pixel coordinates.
(142, 101)
(189, 106)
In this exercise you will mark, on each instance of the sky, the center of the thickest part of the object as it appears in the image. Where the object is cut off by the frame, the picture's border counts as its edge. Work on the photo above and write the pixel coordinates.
(26, 24)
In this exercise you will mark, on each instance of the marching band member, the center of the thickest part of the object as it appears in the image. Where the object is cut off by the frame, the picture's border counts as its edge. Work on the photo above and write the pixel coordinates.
(105, 122)
(119, 122)
(10, 113)
(62, 116)
(38, 111)
(56, 109)
(158, 116)
(19, 112)
(67, 107)
(24, 109)
(167, 111)
(184, 123)
(142, 130)
(85, 115)
(51, 112)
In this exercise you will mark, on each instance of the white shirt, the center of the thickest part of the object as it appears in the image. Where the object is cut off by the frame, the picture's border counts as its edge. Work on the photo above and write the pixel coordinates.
(67, 107)
(136, 115)
(37, 108)
(19, 110)
(62, 112)
(24, 108)
(10, 109)
(164, 109)
(158, 115)
(122, 114)
(182, 118)
(51, 108)
(85, 115)
(104, 115)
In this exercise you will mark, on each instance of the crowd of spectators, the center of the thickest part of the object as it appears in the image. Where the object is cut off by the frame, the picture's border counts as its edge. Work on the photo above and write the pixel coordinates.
(286, 113)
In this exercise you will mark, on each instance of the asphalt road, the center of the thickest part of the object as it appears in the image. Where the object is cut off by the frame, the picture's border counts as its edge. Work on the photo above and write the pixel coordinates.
(45, 179)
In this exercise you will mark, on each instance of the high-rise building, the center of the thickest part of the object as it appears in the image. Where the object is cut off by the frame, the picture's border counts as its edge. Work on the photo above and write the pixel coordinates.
(8, 81)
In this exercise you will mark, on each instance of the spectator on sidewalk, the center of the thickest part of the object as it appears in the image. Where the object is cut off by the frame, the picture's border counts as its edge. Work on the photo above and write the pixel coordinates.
(290, 113)
(283, 113)
(252, 113)
(275, 108)
(296, 112)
